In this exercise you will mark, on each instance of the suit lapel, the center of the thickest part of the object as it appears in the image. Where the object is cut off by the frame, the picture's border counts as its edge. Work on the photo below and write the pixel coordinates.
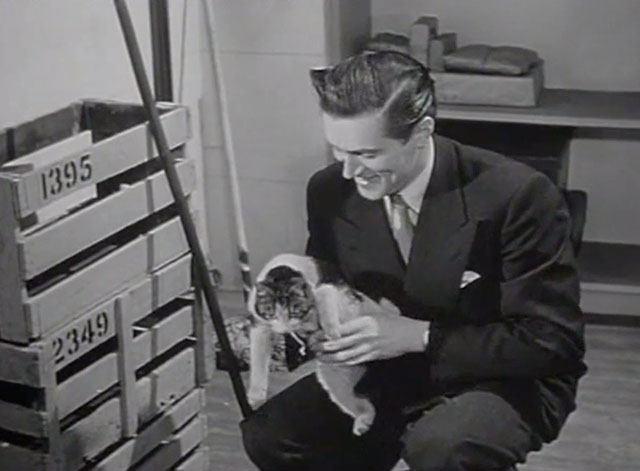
(443, 234)
(371, 245)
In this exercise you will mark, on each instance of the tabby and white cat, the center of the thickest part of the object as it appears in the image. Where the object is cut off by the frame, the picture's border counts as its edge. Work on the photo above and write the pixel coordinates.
(292, 296)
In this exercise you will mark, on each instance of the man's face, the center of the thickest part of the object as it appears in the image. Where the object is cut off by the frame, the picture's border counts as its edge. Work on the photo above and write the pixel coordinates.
(379, 165)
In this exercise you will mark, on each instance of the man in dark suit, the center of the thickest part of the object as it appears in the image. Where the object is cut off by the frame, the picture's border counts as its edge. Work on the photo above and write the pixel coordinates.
(473, 248)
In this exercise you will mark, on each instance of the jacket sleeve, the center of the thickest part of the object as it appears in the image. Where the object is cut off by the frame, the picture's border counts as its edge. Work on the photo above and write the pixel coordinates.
(540, 332)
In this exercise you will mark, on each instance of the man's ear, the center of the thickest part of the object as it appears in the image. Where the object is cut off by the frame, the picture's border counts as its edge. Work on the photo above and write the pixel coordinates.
(423, 130)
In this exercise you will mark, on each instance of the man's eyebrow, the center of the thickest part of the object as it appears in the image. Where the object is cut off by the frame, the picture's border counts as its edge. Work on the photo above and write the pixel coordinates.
(357, 151)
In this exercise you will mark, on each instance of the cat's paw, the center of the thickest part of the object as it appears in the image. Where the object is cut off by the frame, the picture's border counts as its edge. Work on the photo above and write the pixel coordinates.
(364, 420)
(362, 424)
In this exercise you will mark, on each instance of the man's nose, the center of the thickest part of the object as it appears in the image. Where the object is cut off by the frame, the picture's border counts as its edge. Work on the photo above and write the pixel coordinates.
(350, 166)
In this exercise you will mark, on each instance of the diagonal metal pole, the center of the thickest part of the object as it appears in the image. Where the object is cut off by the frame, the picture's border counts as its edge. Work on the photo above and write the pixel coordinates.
(181, 203)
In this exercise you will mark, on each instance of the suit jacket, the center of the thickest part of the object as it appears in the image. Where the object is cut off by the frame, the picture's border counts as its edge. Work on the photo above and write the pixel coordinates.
(518, 328)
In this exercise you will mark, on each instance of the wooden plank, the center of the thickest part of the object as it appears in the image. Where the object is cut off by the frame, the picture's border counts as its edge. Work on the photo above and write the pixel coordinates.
(13, 322)
(51, 173)
(87, 438)
(560, 107)
(126, 368)
(23, 420)
(53, 243)
(135, 145)
(165, 385)
(166, 243)
(180, 445)
(162, 336)
(161, 429)
(165, 284)
(87, 384)
(55, 447)
(22, 365)
(13, 457)
(199, 461)
(47, 129)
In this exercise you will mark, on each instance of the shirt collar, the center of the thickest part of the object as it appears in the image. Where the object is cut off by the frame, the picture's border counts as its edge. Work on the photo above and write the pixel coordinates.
(413, 193)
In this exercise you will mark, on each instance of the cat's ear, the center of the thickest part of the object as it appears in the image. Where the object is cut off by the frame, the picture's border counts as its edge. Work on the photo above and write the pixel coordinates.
(319, 79)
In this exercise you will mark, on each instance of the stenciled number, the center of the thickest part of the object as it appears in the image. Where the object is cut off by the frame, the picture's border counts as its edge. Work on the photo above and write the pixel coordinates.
(86, 169)
(58, 345)
(55, 180)
(66, 175)
(70, 174)
(92, 329)
(72, 336)
(102, 323)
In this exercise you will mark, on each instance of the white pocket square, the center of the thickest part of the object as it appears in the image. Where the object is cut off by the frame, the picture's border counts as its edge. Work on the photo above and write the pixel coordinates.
(468, 277)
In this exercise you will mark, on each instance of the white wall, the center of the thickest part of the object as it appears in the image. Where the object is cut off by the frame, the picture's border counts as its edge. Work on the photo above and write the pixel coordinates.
(266, 50)
(586, 44)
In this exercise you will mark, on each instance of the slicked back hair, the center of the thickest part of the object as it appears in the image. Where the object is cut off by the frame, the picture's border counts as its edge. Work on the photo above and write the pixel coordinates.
(385, 81)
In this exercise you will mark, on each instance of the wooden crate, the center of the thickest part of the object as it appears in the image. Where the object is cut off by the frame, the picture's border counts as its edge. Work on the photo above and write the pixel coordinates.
(80, 194)
(107, 394)
(101, 339)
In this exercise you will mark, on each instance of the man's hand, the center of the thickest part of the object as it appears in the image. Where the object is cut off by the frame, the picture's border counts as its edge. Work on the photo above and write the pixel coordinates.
(376, 336)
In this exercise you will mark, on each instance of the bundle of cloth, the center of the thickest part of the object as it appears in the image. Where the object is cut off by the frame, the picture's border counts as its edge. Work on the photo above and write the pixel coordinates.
(492, 60)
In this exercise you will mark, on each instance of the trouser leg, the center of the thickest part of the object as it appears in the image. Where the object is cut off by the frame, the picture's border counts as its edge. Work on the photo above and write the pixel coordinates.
(301, 429)
(474, 431)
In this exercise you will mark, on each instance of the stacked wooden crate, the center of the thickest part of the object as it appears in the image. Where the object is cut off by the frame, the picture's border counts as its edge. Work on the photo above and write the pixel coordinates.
(101, 342)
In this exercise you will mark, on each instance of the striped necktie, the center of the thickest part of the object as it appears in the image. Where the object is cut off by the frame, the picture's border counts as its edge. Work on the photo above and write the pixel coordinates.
(401, 225)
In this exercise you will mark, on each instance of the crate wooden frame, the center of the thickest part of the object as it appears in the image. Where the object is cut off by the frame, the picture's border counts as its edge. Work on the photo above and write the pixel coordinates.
(138, 400)
(98, 319)
(27, 252)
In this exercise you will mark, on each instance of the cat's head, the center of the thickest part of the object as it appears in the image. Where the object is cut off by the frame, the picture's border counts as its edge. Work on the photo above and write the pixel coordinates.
(284, 300)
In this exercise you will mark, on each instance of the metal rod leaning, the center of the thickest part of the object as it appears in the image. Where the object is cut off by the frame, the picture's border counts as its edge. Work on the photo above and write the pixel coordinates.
(181, 203)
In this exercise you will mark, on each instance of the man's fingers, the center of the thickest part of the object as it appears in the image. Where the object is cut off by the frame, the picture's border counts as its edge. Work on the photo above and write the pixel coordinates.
(355, 325)
(342, 343)
(346, 356)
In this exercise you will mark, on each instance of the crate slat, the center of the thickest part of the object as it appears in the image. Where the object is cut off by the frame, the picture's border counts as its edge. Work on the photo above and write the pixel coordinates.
(15, 457)
(22, 365)
(159, 430)
(157, 391)
(181, 444)
(165, 284)
(23, 420)
(199, 461)
(126, 368)
(68, 236)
